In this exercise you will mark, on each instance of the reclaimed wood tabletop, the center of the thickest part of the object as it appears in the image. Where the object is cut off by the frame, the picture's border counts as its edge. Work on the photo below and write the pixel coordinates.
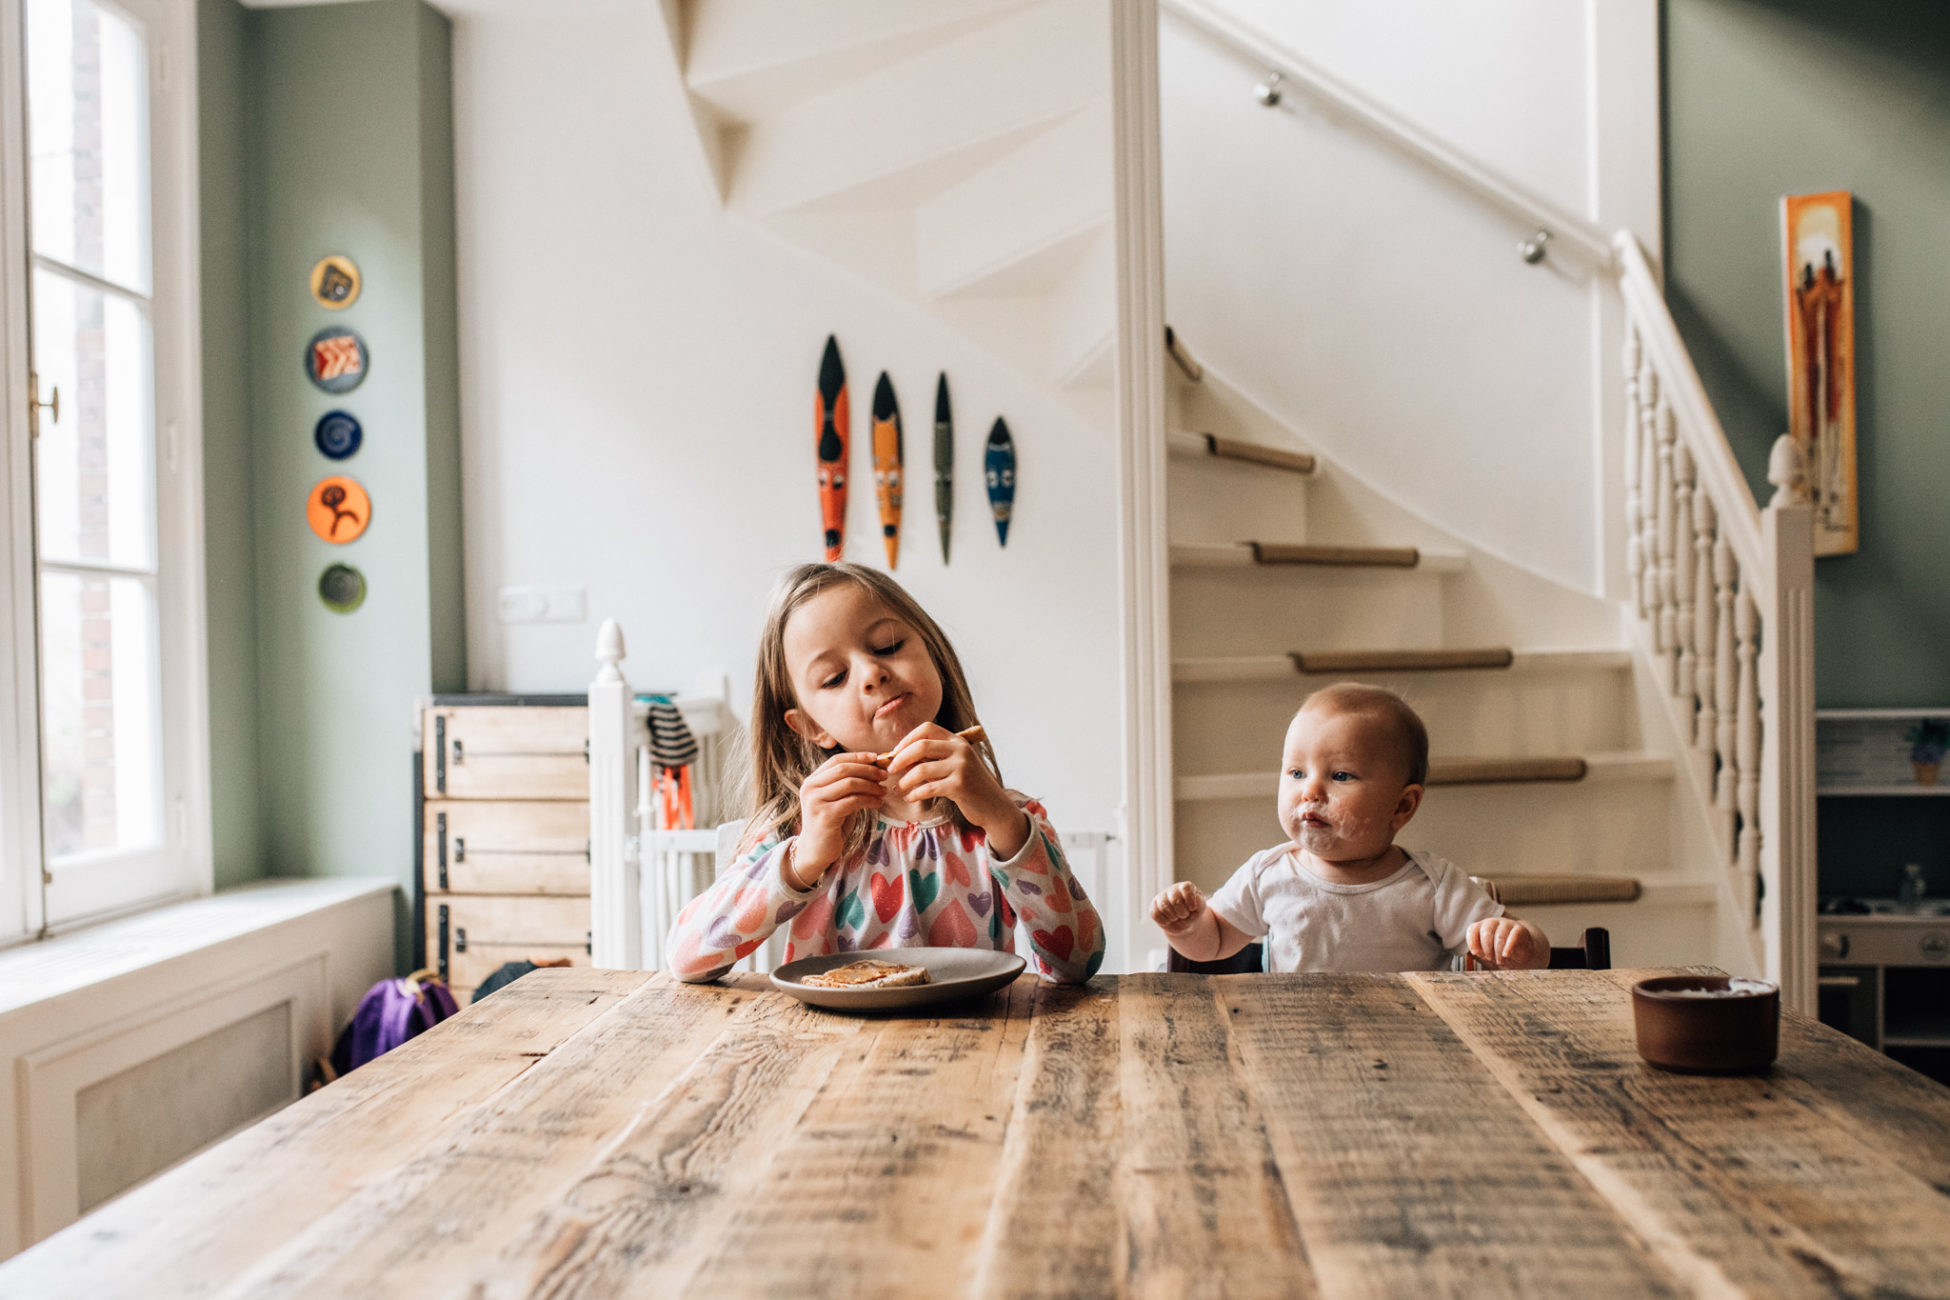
(598, 1133)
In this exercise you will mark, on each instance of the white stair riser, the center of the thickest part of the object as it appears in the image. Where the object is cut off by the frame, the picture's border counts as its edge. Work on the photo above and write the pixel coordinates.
(1217, 500)
(991, 232)
(1002, 82)
(1615, 829)
(748, 58)
(1239, 726)
(1643, 933)
(1272, 609)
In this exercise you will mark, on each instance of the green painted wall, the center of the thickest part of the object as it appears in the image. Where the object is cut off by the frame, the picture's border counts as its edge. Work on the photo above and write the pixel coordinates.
(347, 148)
(1773, 97)
(228, 541)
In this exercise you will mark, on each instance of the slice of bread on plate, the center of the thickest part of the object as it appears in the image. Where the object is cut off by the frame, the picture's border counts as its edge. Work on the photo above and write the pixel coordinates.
(869, 974)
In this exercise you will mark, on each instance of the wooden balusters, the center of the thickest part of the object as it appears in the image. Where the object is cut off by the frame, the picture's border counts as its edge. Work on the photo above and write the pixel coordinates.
(1634, 493)
(1747, 752)
(1682, 578)
(1705, 622)
(1648, 476)
(1725, 671)
(1666, 496)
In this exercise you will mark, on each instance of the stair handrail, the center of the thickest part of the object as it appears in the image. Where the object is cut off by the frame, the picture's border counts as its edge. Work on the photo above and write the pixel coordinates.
(1271, 53)
(1723, 593)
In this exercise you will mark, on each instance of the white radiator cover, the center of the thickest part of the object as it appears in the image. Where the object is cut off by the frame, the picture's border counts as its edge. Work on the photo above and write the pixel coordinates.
(127, 1048)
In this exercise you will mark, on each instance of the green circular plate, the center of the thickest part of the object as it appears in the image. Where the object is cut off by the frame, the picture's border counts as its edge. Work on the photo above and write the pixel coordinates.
(342, 588)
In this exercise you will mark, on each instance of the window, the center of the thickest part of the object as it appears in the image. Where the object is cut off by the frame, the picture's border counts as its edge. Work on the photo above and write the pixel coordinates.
(106, 795)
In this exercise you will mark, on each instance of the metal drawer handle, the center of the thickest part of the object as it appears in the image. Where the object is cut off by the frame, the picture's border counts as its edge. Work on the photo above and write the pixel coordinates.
(460, 848)
(460, 939)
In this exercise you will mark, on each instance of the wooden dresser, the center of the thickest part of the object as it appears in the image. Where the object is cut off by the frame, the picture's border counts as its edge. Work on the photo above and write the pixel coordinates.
(503, 835)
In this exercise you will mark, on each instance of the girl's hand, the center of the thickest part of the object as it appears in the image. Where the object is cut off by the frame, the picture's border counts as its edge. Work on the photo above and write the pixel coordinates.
(841, 786)
(1505, 943)
(1178, 908)
(934, 763)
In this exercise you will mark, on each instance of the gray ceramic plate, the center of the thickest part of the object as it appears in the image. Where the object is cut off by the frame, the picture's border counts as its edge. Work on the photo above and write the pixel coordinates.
(952, 973)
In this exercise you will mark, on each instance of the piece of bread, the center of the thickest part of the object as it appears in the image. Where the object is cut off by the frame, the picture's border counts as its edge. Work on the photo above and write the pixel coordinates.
(869, 974)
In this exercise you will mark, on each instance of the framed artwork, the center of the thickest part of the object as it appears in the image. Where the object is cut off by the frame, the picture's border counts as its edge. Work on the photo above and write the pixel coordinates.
(1818, 246)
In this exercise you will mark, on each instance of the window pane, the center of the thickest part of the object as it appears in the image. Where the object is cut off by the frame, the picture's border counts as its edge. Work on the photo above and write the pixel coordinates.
(88, 121)
(103, 786)
(96, 485)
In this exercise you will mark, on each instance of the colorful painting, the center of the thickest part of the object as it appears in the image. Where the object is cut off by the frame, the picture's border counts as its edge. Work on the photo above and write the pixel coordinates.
(335, 282)
(999, 460)
(336, 360)
(1816, 234)
(338, 509)
(889, 451)
(832, 422)
(944, 463)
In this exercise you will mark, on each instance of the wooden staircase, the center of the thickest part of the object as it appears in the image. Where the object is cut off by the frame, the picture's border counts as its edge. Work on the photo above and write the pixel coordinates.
(1541, 779)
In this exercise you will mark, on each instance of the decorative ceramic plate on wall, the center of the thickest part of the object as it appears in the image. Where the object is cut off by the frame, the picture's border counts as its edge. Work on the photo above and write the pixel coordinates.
(342, 588)
(338, 509)
(336, 360)
(335, 282)
(337, 434)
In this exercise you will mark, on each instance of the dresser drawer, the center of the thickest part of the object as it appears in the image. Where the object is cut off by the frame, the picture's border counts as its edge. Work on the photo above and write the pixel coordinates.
(506, 752)
(468, 936)
(506, 846)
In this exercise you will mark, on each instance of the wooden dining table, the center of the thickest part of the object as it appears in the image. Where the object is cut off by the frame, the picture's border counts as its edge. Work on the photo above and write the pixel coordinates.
(599, 1133)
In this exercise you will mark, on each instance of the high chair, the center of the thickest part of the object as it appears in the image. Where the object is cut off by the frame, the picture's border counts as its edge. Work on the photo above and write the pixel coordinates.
(1593, 950)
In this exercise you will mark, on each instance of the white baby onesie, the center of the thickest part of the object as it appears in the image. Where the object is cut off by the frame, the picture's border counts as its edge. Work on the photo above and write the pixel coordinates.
(1415, 919)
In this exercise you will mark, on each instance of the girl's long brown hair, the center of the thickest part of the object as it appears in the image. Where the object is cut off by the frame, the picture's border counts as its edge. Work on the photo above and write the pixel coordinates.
(781, 758)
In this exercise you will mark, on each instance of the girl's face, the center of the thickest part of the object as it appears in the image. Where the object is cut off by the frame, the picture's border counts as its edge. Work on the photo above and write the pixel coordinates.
(862, 674)
(1342, 793)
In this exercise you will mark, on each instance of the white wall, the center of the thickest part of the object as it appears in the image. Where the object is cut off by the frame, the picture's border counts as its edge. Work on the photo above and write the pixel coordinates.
(637, 388)
(1380, 309)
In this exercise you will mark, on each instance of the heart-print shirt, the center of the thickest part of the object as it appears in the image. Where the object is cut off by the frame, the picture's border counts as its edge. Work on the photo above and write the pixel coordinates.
(917, 883)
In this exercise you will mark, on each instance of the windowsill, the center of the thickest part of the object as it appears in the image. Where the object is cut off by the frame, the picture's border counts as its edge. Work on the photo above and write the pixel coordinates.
(37, 972)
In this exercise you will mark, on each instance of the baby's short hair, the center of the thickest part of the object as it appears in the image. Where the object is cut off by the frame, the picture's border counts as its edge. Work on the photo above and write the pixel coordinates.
(1405, 726)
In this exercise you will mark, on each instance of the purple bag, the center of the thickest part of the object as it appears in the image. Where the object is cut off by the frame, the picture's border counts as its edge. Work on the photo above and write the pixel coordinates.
(391, 1012)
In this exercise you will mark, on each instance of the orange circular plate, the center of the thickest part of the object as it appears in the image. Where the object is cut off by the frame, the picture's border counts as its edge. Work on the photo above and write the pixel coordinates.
(338, 509)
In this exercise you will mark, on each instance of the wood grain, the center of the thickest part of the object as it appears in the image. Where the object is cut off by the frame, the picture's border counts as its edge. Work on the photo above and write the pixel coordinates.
(210, 1218)
(1740, 1184)
(1053, 1227)
(1409, 1167)
(1258, 453)
(499, 1163)
(1387, 557)
(1400, 661)
(1205, 1206)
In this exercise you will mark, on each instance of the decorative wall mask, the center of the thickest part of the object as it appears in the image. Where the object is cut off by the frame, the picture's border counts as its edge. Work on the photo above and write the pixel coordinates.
(889, 452)
(944, 463)
(832, 423)
(999, 460)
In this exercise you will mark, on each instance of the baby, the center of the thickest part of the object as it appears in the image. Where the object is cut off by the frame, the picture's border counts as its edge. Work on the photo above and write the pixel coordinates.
(1340, 895)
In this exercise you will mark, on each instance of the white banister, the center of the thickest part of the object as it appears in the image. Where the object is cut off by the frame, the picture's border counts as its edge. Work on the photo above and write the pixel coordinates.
(616, 932)
(1724, 593)
(1268, 53)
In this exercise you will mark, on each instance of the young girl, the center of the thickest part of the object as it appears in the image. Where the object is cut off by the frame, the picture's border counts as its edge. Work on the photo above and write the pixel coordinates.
(930, 849)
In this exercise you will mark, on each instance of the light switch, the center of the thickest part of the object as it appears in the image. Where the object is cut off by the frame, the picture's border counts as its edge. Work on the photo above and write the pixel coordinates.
(542, 605)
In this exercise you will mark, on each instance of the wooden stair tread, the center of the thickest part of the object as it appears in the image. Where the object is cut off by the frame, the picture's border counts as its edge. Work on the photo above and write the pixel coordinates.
(1454, 772)
(1286, 555)
(1384, 661)
(1390, 557)
(1259, 668)
(1543, 890)
(1502, 771)
(1195, 443)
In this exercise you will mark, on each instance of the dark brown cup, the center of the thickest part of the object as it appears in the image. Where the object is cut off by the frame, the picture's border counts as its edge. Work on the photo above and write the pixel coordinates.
(1730, 1034)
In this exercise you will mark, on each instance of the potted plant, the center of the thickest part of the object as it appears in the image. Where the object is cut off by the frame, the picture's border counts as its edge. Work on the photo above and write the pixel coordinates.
(1928, 740)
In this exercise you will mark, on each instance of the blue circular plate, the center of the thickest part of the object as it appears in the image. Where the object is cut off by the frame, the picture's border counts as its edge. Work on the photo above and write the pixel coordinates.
(336, 360)
(337, 434)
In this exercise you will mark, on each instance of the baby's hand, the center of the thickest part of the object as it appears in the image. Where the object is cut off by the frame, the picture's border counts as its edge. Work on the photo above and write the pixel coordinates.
(1505, 943)
(1178, 908)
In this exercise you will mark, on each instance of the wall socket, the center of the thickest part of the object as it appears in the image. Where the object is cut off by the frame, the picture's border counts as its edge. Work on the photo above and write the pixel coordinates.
(542, 605)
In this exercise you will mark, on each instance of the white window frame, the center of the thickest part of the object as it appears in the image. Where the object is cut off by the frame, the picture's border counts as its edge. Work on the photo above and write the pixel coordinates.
(34, 904)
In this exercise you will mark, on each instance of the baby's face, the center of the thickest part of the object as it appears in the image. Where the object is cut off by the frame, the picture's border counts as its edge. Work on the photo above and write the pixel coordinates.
(1344, 791)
